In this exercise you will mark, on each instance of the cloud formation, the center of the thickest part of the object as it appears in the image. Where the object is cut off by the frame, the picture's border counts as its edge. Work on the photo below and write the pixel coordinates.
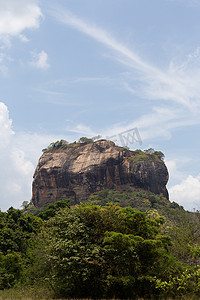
(16, 171)
(187, 193)
(40, 60)
(5, 126)
(172, 85)
(19, 153)
(16, 16)
(174, 90)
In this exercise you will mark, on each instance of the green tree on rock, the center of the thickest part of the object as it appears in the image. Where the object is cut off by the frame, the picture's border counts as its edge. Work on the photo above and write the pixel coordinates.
(85, 140)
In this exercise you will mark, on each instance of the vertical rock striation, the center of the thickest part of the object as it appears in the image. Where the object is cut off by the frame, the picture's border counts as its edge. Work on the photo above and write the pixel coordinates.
(77, 170)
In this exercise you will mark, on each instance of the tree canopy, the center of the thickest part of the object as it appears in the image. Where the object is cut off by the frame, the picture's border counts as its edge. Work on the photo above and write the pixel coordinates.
(99, 250)
(105, 251)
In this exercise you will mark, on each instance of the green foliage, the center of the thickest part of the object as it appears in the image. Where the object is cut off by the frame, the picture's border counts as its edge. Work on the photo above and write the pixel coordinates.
(126, 147)
(95, 251)
(147, 155)
(149, 151)
(25, 204)
(182, 226)
(62, 144)
(99, 250)
(42, 211)
(10, 269)
(51, 209)
(159, 154)
(138, 199)
(17, 230)
(85, 140)
(187, 283)
(154, 153)
(56, 145)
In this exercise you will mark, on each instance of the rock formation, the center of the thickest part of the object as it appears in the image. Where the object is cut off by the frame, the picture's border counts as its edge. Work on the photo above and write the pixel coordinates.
(76, 170)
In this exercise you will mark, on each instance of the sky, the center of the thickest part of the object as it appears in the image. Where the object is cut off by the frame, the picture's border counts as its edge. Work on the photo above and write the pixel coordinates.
(73, 68)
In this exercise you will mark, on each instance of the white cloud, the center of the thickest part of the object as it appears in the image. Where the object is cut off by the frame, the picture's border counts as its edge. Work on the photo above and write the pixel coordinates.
(172, 166)
(23, 38)
(40, 60)
(19, 154)
(16, 171)
(156, 124)
(5, 42)
(82, 129)
(16, 16)
(5, 126)
(176, 88)
(187, 193)
(173, 85)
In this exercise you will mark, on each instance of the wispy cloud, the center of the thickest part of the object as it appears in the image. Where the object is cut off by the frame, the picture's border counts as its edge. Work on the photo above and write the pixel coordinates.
(174, 84)
(82, 129)
(23, 38)
(40, 60)
(175, 88)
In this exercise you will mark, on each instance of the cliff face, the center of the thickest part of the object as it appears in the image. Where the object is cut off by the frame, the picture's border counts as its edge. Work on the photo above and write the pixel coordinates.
(77, 170)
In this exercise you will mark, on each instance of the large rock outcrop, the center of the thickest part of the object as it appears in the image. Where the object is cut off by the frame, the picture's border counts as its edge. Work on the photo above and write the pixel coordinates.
(77, 170)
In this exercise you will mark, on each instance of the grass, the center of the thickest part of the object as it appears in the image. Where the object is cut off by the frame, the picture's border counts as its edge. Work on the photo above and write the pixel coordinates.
(30, 293)
(26, 293)
(42, 293)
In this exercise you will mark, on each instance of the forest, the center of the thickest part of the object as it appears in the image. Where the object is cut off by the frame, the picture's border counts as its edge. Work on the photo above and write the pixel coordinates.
(118, 244)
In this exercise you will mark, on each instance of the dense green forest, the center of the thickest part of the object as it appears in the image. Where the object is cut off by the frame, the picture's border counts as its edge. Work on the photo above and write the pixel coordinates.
(119, 244)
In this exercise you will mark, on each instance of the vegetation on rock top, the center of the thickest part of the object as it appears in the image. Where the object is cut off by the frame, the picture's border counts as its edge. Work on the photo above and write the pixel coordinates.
(63, 144)
(138, 155)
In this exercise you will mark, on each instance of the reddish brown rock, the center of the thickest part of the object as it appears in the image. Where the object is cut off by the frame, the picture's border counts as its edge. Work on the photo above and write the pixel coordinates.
(77, 170)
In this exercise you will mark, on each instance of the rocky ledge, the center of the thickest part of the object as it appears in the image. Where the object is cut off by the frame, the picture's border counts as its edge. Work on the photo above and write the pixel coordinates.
(79, 169)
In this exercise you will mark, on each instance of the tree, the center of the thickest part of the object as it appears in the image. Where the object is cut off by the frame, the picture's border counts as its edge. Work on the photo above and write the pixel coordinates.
(25, 204)
(149, 151)
(51, 209)
(56, 145)
(159, 154)
(17, 230)
(85, 140)
(94, 251)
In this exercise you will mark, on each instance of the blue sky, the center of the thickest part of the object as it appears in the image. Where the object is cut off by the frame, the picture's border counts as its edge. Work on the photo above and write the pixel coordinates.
(72, 68)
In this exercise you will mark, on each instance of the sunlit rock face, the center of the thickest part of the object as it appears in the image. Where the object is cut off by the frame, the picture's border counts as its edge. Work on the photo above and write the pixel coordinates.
(77, 170)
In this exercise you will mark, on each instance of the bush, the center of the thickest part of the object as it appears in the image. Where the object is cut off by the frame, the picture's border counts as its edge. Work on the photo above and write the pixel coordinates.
(85, 140)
